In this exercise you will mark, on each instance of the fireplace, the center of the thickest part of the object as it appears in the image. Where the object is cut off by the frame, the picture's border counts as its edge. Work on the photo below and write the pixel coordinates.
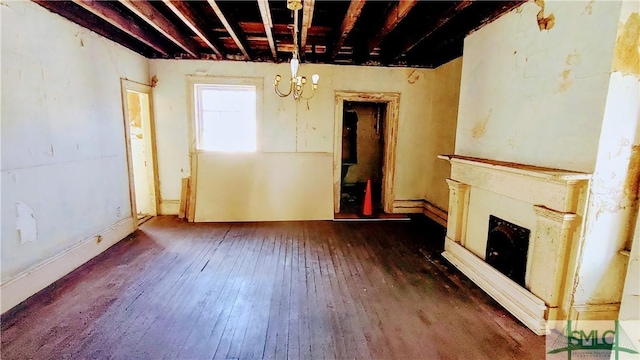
(507, 247)
(514, 230)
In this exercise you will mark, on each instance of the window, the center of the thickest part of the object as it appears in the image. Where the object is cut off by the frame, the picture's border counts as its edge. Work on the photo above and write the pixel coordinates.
(225, 117)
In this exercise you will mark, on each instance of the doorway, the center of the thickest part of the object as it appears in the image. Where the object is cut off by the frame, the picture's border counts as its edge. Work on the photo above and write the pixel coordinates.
(362, 155)
(140, 150)
(364, 151)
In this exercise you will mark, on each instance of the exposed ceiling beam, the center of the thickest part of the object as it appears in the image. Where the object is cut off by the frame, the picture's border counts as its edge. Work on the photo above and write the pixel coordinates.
(182, 10)
(397, 13)
(154, 18)
(78, 15)
(230, 29)
(412, 39)
(353, 12)
(502, 8)
(265, 12)
(117, 19)
(447, 45)
(307, 18)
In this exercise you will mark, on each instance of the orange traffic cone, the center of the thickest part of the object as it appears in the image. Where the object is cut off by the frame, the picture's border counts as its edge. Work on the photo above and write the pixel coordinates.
(367, 209)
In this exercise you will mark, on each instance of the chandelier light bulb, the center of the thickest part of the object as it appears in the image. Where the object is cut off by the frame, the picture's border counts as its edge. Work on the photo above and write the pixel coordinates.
(294, 67)
(315, 78)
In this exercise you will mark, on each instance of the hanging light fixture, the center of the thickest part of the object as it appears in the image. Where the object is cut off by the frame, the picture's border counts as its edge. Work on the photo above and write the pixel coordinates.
(296, 83)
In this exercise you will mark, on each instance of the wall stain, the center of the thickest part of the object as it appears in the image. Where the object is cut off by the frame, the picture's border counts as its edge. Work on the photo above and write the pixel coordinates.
(544, 22)
(626, 56)
(573, 58)
(566, 82)
(413, 77)
(632, 183)
(589, 8)
(480, 127)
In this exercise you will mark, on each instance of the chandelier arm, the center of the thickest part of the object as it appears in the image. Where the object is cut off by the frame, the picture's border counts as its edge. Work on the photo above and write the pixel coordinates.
(313, 92)
(281, 94)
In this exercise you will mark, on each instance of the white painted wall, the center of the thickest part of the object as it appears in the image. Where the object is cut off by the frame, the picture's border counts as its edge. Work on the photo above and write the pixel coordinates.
(63, 147)
(443, 121)
(537, 96)
(290, 127)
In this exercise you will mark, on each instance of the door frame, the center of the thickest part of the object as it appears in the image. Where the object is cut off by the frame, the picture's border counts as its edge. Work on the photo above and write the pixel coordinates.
(392, 100)
(149, 145)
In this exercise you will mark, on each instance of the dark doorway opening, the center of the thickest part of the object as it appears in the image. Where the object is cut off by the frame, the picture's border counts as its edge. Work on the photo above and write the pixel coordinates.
(362, 156)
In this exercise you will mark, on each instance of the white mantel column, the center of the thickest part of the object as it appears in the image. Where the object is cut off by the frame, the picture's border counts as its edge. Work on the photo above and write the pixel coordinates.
(550, 254)
(458, 209)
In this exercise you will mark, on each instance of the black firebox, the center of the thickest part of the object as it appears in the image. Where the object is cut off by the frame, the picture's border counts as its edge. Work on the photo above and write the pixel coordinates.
(507, 247)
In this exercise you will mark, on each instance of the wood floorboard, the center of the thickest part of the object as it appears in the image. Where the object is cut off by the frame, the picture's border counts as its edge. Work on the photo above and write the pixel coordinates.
(282, 290)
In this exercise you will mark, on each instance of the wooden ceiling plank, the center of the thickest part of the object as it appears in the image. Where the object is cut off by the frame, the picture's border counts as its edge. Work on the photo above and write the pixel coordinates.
(153, 17)
(307, 17)
(395, 16)
(353, 12)
(229, 29)
(187, 16)
(115, 18)
(449, 14)
(265, 12)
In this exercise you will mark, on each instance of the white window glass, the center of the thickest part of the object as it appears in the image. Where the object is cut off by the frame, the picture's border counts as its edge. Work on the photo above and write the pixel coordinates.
(226, 117)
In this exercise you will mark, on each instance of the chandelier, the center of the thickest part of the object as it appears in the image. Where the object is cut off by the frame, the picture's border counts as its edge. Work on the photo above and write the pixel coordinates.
(297, 83)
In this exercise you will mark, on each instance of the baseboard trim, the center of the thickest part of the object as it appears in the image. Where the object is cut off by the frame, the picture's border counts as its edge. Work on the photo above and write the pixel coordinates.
(421, 207)
(29, 282)
(408, 206)
(595, 311)
(435, 213)
(169, 207)
(518, 301)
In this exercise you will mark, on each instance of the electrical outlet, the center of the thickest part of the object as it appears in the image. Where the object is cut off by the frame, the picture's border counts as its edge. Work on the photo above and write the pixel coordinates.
(118, 212)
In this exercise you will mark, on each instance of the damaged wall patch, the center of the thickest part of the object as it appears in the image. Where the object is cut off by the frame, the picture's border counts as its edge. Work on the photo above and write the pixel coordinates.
(26, 223)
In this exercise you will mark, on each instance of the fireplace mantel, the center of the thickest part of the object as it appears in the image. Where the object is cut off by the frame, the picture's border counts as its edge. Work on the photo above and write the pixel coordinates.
(516, 168)
(549, 202)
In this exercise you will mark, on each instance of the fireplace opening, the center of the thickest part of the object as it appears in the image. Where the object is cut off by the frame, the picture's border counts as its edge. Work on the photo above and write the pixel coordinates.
(507, 247)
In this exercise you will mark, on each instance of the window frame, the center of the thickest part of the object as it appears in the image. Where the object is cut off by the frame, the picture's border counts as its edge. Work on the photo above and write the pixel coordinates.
(194, 131)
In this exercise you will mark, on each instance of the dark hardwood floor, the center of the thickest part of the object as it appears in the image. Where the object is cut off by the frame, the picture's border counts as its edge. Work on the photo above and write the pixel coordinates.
(296, 290)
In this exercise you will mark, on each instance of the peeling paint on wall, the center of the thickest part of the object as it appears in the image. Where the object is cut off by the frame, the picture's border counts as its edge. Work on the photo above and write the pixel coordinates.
(26, 223)
(544, 22)
(626, 56)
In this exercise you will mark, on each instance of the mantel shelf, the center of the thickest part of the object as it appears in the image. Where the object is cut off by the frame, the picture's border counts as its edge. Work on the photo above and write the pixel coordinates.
(522, 169)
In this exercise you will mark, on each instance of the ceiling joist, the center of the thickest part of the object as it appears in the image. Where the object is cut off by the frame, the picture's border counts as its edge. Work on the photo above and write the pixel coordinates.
(353, 12)
(307, 18)
(230, 29)
(182, 11)
(265, 13)
(103, 10)
(398, 12)
(77, 14)
(412, 39)
(153, 17)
